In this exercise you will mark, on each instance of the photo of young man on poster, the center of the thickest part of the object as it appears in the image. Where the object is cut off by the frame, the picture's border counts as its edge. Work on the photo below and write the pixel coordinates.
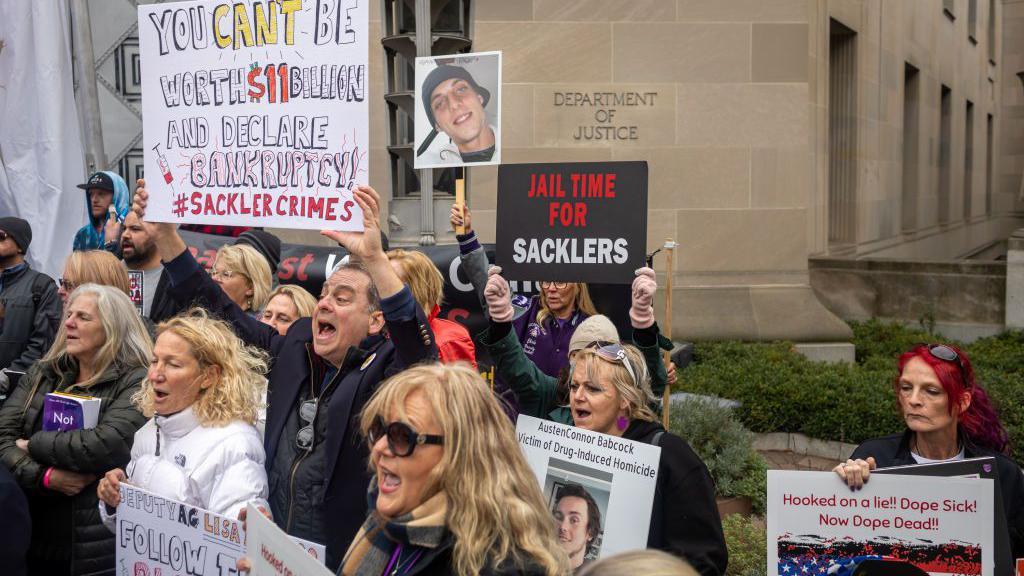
(458, 122)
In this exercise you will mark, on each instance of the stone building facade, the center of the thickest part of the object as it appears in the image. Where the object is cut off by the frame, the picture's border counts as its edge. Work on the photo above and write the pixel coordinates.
(776, 131)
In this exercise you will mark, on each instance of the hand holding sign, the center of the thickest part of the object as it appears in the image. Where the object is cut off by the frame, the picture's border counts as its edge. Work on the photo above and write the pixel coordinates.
(460, 217)
(855, 472)
(168, 243)
(365, 245)
(109, 489)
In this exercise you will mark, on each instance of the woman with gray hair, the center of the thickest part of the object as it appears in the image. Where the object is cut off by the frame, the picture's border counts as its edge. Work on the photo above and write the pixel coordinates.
(102, 350)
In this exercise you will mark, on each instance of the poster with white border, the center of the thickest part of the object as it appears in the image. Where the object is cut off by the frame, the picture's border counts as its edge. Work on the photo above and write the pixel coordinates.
(937, 526)
(274, 553)
(255, 113)
(458, 110)
(157, 535)
(617, 475)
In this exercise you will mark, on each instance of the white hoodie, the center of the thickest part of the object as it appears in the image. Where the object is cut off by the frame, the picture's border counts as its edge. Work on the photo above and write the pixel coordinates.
(220, 469)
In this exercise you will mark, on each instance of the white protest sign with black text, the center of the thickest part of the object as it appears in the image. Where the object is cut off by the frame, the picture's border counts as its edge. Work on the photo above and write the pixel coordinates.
(618, 475)
(274, 553)
(940, 526)
(576, 222)
(255, 113)
(156, 535)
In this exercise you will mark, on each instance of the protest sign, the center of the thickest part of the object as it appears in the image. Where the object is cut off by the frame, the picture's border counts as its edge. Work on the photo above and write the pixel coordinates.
(895, 524)
(458, 110)
(984, 467)
(580, 222)
(157, 535)
(274, 553)
(618, 475)
(255, 113)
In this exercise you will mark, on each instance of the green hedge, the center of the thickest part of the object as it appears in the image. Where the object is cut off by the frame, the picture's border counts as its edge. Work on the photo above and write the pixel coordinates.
(782, 391)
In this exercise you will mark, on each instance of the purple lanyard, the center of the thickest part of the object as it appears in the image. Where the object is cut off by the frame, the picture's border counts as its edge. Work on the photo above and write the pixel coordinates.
(394, 561)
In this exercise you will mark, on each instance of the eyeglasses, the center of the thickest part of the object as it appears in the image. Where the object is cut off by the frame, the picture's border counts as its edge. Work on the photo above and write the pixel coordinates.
(67, 285)
(947, 354)
(555, 285)
(402, 439)
(613, 352)
(225, 274)
(304, 438)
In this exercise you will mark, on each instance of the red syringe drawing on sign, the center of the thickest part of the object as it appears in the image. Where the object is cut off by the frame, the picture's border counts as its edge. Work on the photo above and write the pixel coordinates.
(165, 168)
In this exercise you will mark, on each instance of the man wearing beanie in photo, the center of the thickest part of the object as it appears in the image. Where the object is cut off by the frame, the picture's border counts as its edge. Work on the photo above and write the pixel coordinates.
(454, 104)
(30, 308)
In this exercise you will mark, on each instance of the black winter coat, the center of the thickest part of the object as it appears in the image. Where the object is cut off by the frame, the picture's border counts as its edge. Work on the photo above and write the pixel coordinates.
(347, 475)
(894, 450)
(684, 520)
(30, 319)
(67, 535)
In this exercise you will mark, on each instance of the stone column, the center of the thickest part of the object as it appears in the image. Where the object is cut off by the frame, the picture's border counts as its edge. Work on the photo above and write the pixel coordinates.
(1015, 280)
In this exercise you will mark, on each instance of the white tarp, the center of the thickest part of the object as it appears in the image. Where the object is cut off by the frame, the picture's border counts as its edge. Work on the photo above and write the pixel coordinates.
(41, 157)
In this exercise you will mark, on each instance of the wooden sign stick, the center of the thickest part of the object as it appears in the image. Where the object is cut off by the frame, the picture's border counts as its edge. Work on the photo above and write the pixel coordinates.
(669, 248)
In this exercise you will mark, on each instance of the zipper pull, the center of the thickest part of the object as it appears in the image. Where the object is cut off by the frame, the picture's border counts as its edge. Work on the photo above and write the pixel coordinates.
(156, 420)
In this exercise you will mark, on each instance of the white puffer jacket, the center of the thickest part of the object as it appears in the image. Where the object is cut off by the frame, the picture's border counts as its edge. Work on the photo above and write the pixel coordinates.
(220, 469)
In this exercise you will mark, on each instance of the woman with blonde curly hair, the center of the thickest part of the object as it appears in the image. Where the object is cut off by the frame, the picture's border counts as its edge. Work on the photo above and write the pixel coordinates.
(453, 493)
(202, 394)
(286, 304)
(244, 275)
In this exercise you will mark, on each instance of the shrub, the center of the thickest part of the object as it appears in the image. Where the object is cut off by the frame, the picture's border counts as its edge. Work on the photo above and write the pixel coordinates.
(747, 542)
(781, 391)
(725, 446)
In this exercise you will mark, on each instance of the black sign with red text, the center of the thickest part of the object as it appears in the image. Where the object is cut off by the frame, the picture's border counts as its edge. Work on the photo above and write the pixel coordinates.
(579, 222)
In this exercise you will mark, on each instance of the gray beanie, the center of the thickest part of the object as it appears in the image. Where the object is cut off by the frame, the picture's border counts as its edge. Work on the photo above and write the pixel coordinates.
(597, 328)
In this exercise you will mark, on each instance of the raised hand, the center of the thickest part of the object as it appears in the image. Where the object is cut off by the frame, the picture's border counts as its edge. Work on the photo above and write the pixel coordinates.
(498, 296)
(112, 229)
(363, 245)
(641, 312)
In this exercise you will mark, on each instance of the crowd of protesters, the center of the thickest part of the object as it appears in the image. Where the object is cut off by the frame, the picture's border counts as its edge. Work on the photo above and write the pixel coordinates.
(358, 419)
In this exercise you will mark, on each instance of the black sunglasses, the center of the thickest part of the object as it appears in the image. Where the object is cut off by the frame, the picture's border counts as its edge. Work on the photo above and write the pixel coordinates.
(304, 438)
(402, 439)
(947, 354)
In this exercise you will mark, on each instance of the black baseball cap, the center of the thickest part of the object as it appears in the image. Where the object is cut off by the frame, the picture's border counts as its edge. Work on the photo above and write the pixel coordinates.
(98, 180)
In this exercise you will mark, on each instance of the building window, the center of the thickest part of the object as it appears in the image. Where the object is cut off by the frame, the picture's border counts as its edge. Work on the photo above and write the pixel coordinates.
(968, 160)
(991, 31)
(911, 109)
(989, 154)
(945, 165)
(842, 126)
(972, 21)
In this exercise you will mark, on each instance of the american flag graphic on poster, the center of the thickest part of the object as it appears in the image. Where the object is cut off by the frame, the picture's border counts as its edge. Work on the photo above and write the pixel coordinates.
(896, 525)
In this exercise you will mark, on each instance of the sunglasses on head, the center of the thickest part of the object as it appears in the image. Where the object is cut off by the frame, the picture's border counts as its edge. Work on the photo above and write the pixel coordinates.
(615, 353)
(947, 354)
(402, 438)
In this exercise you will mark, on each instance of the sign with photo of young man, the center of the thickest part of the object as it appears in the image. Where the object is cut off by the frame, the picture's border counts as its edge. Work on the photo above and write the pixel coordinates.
(458, 110)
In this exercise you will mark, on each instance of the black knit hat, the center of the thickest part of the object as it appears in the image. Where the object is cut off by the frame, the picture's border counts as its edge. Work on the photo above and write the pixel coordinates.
(433, 80)
(19, 229)
(266, 244)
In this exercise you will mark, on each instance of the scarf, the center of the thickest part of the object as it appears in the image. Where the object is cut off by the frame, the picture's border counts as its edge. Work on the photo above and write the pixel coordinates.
(374, 545)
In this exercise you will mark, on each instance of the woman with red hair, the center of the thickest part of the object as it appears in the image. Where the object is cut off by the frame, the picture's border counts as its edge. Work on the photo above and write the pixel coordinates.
(949, 417)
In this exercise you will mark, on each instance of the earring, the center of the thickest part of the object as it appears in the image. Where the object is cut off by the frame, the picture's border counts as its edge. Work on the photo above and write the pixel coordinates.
(622, 423)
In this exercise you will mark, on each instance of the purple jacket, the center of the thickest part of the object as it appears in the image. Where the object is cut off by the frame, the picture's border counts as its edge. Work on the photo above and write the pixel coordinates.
(546, 345)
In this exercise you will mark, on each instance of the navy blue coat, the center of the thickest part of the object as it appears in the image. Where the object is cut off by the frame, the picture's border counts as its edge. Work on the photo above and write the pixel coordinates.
(411, 342)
